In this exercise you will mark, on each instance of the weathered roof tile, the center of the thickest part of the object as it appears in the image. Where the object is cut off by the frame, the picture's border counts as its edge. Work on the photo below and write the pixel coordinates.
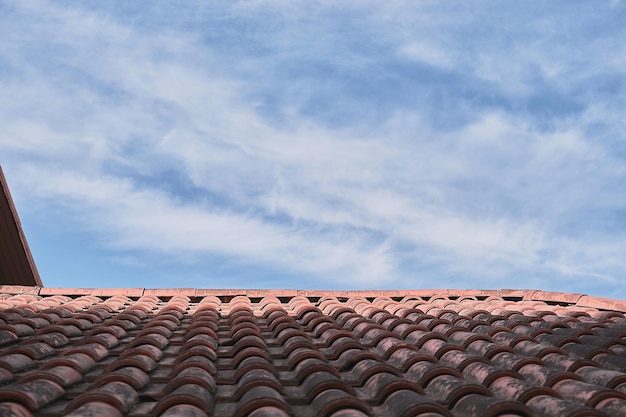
(288, 353)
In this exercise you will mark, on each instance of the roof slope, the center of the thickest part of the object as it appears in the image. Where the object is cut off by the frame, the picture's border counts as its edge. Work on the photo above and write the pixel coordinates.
(16, 261)
(290, 353)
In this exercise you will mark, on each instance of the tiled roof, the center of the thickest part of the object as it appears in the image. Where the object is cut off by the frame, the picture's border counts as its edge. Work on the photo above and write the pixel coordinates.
(139, 352)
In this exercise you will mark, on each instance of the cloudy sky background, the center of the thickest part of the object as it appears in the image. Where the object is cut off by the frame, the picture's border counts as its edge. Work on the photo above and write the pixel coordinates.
(318, 144)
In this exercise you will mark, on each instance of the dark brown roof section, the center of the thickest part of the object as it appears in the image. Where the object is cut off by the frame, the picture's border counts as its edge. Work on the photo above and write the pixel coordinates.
(17, 266)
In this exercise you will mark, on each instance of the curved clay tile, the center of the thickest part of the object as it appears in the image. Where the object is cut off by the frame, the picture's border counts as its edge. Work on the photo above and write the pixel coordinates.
(269, 301)
(545, 405)
(610, 361)
(301, 311)
(206, 315)
(118, 394)
(268, 411)
(476, 405)
(378, 387)
(250, 364)
(249, 352)
(366, 310)
(16, 362)
(242, 318)
(14, 410)
(69, 330)
(100, 312)
(459, 359)
(19, 329)
(602, 377)
(513, 388)
(36, 322)
(140, 310)
(290, 340)
(146, 349)
(423, 372)
(284, 331)
(10, 315)
(132, 314)
(79, 361)
(64, 376)
(393, 321)
(318, 324)
(6, 376)
(365, 368)
(246, 330)
(449, 389)
(303, 357)
(336, 311)
(201, 336)
(183, 410)
(332, 400)
(113, 329)
(130, 375)
(97, 351)
(175, 306)
(256, 378)
(585, 393)
(89, 316)
(210, 299)
(195, 362)
(143, 362)
(191, 375)
(339, 346)
(105, 339)
(536, 372)
(272, 312)
(7, 337)
(156, 336)
(351, 356)
(311, 365)
(36, 350)
(96, 409)
(407, 403)
(189, 394)
(32, 394)
(198, 348)
(373, 335)
(418, 337)
(484, 373)
(259, 397)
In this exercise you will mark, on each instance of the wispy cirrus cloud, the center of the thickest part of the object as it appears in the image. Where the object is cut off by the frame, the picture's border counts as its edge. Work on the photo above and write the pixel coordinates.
(362, 145)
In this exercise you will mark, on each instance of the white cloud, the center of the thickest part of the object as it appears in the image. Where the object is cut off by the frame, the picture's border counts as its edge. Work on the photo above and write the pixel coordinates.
(427, 53)
(147, 219)
(495, 194)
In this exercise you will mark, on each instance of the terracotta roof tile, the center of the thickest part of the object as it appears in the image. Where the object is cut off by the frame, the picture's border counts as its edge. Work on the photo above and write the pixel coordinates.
(260, 353)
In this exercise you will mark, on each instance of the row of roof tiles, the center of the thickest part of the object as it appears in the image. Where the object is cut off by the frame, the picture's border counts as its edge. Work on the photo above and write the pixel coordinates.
(299, 356)
(581, 300)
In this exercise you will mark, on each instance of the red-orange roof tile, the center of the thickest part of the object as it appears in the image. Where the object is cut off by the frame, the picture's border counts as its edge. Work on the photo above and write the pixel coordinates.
(268, 353)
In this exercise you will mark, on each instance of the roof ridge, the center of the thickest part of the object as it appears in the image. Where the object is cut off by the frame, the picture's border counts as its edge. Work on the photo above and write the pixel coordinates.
(581, 300)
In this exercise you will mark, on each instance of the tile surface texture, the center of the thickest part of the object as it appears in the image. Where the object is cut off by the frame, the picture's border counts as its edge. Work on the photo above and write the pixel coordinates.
(275, 353)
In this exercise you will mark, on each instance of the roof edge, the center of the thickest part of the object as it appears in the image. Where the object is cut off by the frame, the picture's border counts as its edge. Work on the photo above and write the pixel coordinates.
(580, 300)
(18, 266)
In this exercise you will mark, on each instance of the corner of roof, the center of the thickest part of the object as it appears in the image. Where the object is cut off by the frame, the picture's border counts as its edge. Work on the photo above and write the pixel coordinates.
(17, 266)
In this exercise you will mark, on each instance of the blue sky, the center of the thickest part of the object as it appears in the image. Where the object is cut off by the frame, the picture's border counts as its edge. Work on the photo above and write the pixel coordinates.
(300, 144)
